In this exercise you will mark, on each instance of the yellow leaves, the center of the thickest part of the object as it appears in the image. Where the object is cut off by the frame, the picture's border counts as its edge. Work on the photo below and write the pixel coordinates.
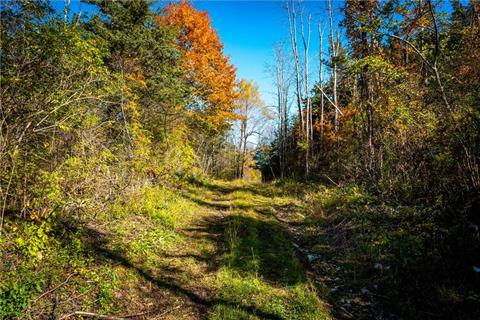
(137, 76)
(140, 137)
(248, 91)
(65, 127)
(132, 108)
(36, 216)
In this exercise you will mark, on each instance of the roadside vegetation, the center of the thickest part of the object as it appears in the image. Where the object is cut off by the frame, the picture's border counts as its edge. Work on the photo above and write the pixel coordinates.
(129, 187)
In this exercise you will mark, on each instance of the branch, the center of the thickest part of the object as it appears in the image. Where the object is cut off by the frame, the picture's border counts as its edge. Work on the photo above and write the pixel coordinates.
(435, 28)
(90, 314)
(53, 289)
(329, 100)
(411, 45)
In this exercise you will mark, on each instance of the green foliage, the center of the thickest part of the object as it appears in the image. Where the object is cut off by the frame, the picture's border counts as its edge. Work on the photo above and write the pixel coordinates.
(15, 296)
(376, 64)
(333, 200)
(34, 242)
(158, 203)
(107, 286)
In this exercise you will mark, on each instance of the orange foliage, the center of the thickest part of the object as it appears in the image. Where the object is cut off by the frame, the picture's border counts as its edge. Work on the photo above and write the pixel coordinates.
(209, 71)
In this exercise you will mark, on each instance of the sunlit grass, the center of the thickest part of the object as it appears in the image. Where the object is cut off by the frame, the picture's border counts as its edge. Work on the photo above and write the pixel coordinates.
(261, 273)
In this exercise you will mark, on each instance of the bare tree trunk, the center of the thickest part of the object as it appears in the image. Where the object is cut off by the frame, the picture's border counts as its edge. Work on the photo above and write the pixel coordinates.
(241, 147)
(282, 82)
(292, 21)
(308, 132)
(280, 128)
(67, 9)
(334, 67)
(322, 103)
(244, 155)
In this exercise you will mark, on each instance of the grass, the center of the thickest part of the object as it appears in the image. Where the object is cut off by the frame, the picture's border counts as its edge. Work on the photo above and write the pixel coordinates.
(261, 272)
(215, 244)
(259, 275)
(224, 250)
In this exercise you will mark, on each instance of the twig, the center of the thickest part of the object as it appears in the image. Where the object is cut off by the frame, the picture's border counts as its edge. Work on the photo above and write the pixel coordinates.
(102, 316)
(170, 310)
(90, 314)
(332, 180)
(328, 98)
(54, 288)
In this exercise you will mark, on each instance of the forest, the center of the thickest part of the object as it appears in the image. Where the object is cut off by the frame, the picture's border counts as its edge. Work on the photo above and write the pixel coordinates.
(142, 178)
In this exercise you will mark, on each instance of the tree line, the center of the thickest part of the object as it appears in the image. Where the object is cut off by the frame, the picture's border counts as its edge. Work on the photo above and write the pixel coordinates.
(395, 106)
(94, 106)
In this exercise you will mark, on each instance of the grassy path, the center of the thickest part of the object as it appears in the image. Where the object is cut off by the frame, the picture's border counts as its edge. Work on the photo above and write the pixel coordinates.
(237, 261)
(227, 257)
(223, 250)
(267, 259)
(218, 250)
(212, 250)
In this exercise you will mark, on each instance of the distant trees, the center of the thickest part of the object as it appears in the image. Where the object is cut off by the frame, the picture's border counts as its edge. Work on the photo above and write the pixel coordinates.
(393, 112)
(252, 115)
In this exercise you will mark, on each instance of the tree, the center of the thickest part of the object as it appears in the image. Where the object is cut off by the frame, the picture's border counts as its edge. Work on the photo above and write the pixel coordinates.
(55, 92)
(209, 71)
(210, 76)
(144, 54)
(282, 76)
(321, 85)
(308, 101)
(361, 21)
(252, 114)
(292, 23)
(334, 48)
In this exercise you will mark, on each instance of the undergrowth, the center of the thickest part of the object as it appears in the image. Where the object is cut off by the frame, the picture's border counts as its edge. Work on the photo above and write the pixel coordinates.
(410, 256)
(71, 258)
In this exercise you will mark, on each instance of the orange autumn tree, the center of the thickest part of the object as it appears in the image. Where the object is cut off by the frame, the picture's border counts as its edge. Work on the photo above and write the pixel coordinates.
(209, 71)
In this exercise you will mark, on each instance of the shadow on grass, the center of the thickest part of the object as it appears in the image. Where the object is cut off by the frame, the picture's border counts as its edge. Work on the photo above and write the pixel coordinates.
(250, 245)
(265, 209)
(261, 248)
(264, 190)
(167, 278)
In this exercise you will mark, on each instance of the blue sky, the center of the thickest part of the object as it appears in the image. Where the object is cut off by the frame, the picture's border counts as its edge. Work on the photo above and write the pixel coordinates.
(249, 30)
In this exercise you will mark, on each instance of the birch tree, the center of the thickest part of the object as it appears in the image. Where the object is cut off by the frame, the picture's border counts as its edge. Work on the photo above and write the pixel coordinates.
(321, 83)
(281, 73)
(333, 59)
(292, 22)
(308, 105)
